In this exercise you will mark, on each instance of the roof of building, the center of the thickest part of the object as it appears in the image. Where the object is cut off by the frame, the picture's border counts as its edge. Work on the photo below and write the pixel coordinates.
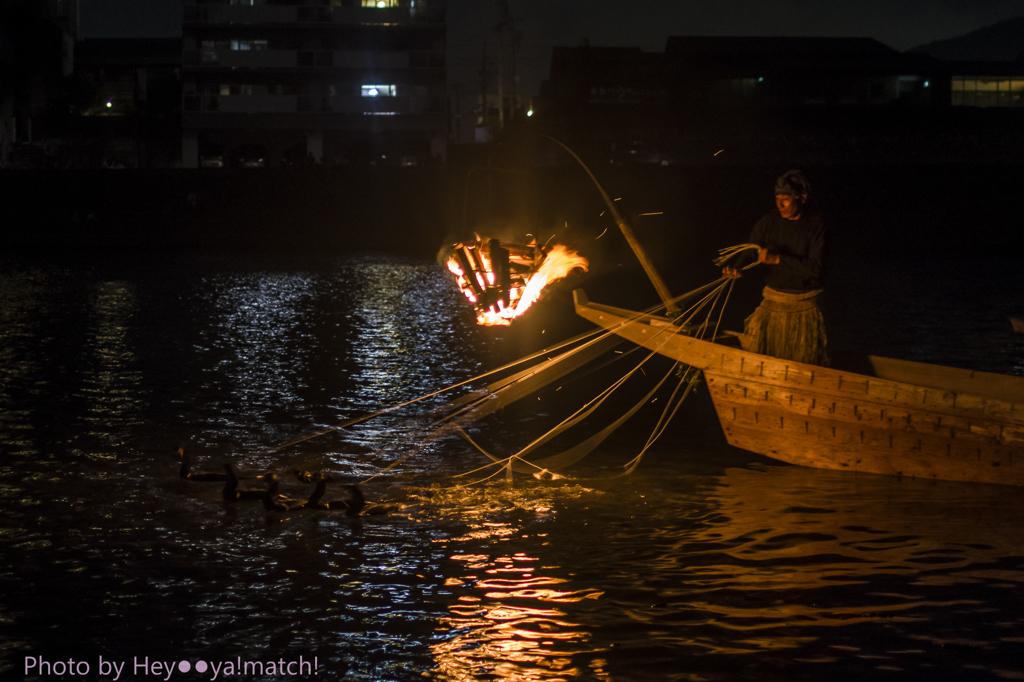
(735, 46)
(724, 55)
(605, 64)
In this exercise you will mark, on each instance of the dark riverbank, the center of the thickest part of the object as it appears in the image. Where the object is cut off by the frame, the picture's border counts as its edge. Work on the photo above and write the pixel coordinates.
(893, 211)
(223, 210)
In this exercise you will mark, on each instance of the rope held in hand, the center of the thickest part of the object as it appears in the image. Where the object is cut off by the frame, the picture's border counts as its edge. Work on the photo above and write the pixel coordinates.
(730, 251)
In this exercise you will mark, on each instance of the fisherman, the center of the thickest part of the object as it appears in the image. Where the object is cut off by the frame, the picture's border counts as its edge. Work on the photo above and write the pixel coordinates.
(788, 324)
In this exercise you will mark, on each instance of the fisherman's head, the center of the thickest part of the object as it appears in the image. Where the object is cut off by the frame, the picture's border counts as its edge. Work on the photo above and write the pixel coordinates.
(791, 191)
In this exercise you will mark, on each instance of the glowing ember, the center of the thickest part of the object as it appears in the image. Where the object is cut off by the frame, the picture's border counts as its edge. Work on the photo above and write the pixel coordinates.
(503, 280)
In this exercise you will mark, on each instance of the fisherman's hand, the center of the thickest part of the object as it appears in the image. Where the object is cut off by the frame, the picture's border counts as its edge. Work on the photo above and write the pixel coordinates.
(764, 256)
(731, 273)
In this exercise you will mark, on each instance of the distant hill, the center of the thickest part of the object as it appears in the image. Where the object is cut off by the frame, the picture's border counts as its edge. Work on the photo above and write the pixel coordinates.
(1000, 42)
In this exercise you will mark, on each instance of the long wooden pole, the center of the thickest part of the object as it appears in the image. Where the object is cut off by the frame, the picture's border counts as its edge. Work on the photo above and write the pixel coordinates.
(627, 232)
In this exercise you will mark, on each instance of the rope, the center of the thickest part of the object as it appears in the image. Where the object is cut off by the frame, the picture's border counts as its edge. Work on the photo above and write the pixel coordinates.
(358, 420)
(449, 424)
(690, 382)
(631, 465)
(575, 418)
(515, 363)
(454, 415)
(496, 460)
(687, 379)
(453, 421)
(581, 450)
(671, 408)
(667, 415)
(730, 251)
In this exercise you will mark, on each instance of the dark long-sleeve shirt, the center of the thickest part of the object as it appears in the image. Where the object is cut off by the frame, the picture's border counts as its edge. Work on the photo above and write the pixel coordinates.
(800, 245)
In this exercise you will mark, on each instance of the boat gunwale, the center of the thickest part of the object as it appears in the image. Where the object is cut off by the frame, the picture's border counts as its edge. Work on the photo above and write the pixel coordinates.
(983, 384)
(830, 380)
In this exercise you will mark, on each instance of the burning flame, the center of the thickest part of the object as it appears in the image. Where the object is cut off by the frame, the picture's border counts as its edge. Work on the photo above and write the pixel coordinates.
(502, 281)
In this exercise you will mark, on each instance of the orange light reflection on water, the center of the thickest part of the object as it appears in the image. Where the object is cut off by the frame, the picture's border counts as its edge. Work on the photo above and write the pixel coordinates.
(511, 627)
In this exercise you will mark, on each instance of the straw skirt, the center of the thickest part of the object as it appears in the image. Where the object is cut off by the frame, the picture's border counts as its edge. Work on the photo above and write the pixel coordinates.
(788, 326)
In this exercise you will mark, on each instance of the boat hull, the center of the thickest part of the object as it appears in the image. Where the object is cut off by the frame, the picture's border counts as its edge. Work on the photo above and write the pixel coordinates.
(827, 418)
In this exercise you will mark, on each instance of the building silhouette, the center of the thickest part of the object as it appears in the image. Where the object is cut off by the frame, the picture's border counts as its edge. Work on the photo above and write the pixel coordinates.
(37, 40)
(127, 104)
(313, 81)
(770, 98)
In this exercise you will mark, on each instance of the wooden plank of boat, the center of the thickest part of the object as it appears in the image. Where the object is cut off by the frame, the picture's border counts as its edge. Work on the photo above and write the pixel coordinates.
(826, 418)
(1000, 386)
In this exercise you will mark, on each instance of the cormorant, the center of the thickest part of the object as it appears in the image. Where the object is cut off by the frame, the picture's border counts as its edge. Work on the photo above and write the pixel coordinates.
(185, 471)
(351, 506)
(232, 493)
(273, 501)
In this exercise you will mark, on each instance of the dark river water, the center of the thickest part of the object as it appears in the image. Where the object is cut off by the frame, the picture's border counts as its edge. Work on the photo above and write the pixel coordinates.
(708, 563)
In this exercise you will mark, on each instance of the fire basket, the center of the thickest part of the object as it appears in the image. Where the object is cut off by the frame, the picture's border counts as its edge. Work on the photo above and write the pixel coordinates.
(502, 280)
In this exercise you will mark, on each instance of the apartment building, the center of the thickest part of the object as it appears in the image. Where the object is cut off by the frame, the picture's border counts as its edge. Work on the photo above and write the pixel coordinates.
(267, 82)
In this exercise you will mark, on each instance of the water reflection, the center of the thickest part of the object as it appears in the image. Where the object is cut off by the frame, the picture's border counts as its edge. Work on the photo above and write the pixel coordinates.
(405, 318)
(409, 335)
(256, 341)
(21, 308)
(111, 384)
(806, 567)
(774, 572)
(508, 617)
(844, 527)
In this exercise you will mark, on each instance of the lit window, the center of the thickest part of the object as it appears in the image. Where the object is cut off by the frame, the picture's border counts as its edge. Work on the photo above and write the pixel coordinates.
(987, 92)
(1017, 93)
(248, 44)
(990, 91)
(380, 3)
(377, 90)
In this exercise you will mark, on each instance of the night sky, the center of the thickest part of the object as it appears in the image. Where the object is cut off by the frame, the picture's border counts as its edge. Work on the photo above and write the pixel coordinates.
(901, 24)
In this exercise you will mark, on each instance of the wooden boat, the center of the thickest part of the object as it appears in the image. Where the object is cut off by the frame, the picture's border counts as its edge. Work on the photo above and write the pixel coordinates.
(910, 419)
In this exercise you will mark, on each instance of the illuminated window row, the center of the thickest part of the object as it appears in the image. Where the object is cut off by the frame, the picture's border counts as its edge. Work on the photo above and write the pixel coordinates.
(252, 89)
(364, 3)
(261, 54)
(988, 91)
(332, 90)
(266, 104)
